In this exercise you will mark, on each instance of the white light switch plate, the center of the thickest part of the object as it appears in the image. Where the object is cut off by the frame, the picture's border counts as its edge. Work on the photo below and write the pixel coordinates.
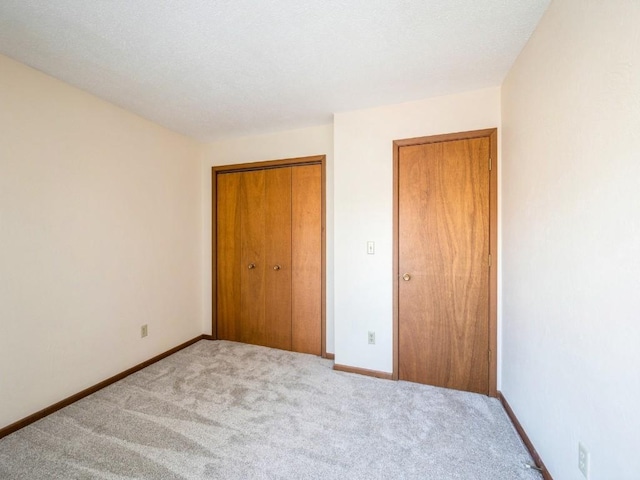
(371, 248)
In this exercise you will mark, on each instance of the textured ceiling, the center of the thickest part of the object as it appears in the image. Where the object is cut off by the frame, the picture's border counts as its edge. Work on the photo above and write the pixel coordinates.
(219, 68)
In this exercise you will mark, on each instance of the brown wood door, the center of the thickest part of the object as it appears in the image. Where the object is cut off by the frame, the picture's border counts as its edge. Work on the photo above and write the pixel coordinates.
(254, 257)
(277, 264)
(443, 263)
(269, 257)
(252, 325)
(306, 258)
(228, 256)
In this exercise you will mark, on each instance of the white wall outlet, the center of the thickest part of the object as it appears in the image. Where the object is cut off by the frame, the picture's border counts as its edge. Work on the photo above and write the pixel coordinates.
(583, 460)
(144, 331)
(371, 247)
(372, 338)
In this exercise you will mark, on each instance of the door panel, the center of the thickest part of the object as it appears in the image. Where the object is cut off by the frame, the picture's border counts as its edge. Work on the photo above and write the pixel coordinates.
(253, 328)
(443, 201)
(277, 242)
(306, 259)
(228, 257)
(270, 219)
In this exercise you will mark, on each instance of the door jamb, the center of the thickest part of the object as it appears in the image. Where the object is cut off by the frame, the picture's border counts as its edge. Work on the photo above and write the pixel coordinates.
(492, 134)
(245, 167)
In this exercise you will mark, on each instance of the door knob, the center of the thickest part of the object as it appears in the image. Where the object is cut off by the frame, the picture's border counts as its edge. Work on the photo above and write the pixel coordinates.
(252, 266)
(276, 267)
(406, 277)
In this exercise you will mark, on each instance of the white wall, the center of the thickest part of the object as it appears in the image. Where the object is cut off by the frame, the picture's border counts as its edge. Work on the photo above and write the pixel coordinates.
(100, 231)
(363, 211)
(571, 238)
(289, 144)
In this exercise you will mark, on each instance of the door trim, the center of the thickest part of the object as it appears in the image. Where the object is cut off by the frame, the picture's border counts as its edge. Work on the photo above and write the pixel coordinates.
(492, 134)
(245, 167)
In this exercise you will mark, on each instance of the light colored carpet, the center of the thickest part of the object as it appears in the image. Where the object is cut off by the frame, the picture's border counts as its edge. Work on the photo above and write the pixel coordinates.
(225, 410)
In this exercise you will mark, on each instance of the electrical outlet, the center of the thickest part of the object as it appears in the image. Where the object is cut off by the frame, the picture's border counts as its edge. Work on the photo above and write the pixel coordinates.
(144, 331)
(372, 338)
(583, 460)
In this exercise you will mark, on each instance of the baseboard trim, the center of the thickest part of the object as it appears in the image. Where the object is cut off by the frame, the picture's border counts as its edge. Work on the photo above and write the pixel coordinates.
(525, 438)
(329, 356)
(208, 337)
(88, 391)
(363, 371)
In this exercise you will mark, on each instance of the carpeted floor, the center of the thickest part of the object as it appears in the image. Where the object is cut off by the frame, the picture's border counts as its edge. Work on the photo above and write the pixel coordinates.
(225, 410)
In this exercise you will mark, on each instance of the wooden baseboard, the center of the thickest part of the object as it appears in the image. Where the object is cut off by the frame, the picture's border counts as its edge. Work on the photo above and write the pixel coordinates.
(208, 337)
(525, 438)
(88, 391)
(329, 356)
(363, 371)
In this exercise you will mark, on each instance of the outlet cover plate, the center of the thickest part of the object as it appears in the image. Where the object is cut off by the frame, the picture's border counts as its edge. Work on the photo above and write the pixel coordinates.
(583, 460)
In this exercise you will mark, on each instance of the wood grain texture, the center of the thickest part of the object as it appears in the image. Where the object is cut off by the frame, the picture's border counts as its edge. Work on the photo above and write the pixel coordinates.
(228, 256)
(444, 246)
(492, 134)
(277, 241)
(214, 254)
(253, 332)
(252, 326)
(287, 162)
(306, 259)
(395, 375)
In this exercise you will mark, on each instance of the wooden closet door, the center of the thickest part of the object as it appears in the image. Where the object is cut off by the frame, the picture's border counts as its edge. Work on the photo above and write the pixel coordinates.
(306, 259)
(254, 257)
(252, 326)
(277, 241)
(444, 251)
(228, 256)
(269, 257)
